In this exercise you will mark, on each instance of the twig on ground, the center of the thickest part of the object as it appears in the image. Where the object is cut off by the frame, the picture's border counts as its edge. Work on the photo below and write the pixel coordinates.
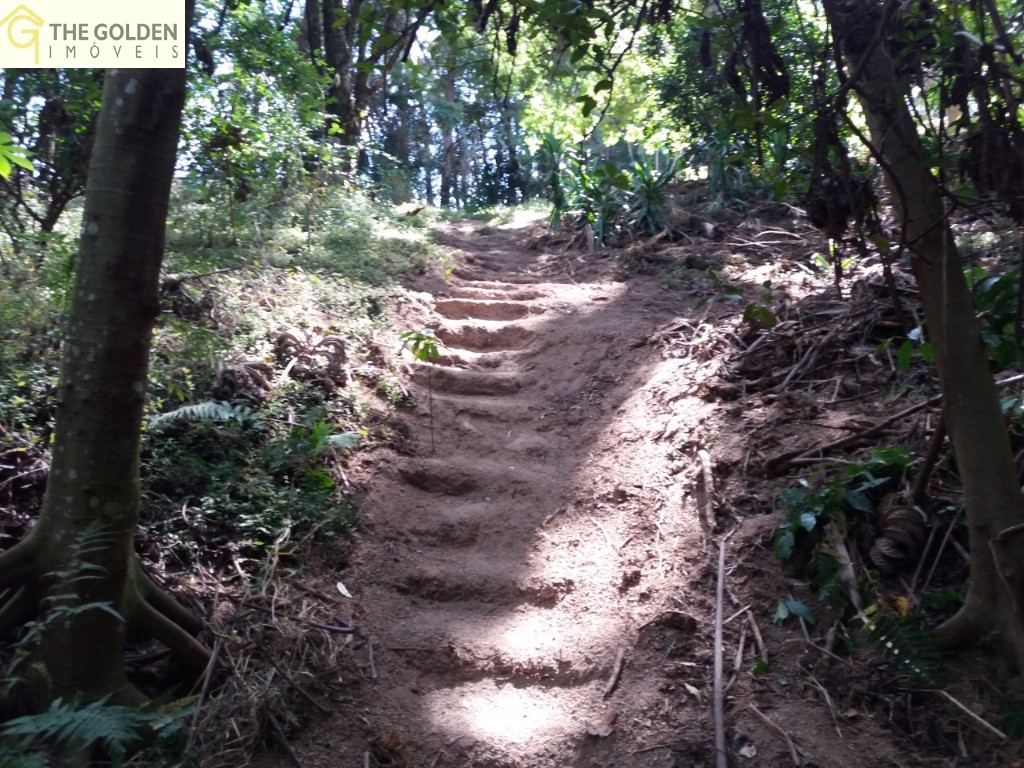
(741, 646)
(762, 649)
(282, 740)
(828, 701)
(718, 706)
(300, 619)
(984, 724)
(607, 538)
(783, 461)
(369, 656)
(211, 667)
(290, 680)
(707, 511)
(795, 751)
(441, 753)
(938, 553)
(613, 678)
(930, 458)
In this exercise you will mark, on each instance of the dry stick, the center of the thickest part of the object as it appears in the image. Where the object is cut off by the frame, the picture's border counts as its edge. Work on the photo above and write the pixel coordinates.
(369, 655)
(912, 587)
(291, 681)
(831, 705)
(310, 622)
(938, 554)
(282, 740)
(707, 517)
(439, 754)
(741, 646)
(718, 707)
(984, 724)
(613, 678)
(794, 750)
(204, 691)
(930, 458)
(762, 649)
(781, 462)
(607, 538)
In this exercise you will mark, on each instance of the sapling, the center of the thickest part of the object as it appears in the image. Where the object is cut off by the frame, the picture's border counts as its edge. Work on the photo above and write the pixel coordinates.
(424, 347)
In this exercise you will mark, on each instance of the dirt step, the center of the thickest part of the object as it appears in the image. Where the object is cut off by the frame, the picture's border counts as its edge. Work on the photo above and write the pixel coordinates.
(482, 277)
(437, 475)
(479, 580)
(489, 409)
(459, 381)
(481, 309)
(465, 358)
(477, 337)
(510, 294)
(449, 663)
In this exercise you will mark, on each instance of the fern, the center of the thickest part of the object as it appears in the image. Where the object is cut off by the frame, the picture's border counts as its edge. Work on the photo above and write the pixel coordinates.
(211, 410)
(70, 728)
(904, 641)
(67, 728)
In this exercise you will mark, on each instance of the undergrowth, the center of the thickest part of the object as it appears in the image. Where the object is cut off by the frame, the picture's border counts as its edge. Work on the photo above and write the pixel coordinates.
(267, 372)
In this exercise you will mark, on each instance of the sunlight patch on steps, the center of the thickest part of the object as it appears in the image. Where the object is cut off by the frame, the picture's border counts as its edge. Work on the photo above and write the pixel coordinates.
(504, 714)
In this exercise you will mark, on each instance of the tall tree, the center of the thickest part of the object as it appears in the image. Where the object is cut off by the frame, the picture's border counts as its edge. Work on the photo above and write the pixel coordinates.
(359, 42)
(90, 509)
(992, 496)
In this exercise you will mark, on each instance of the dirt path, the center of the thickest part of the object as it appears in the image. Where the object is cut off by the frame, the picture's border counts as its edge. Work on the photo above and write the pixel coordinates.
(533, 578)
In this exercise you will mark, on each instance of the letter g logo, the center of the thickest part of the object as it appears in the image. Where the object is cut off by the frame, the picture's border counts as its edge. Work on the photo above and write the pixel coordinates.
(22, 26)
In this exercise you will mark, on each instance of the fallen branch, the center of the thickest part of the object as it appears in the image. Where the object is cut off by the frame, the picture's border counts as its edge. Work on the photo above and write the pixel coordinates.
(299, 619)
(613, 678)
(718, 705)
(783, 461)
(282, 740)
(794, 749)
(707, 510)
(985, 725)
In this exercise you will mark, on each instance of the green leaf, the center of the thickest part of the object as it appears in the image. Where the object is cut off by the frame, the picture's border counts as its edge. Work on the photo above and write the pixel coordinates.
(859, 501)
(781, 613)
(604, 85)
(799, 609)
(808, 521)
(785, 542)
(904, 355)
(589, 105)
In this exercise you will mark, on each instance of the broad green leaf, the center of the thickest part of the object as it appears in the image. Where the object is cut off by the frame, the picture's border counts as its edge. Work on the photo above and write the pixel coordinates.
(904, 355)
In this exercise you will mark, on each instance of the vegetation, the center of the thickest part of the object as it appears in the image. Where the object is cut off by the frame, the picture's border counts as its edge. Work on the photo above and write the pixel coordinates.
(214, 282)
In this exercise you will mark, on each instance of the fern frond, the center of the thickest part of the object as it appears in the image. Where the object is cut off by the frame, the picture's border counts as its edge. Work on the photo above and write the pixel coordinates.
(342, 440)
(211, 410)
(902, 638)
(70, 727)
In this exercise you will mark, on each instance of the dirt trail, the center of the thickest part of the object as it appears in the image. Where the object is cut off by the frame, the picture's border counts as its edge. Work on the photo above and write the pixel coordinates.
(503, 572)
(536, 587)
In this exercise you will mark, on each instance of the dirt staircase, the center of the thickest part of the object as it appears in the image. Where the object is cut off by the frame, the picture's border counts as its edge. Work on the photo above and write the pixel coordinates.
(501, 569)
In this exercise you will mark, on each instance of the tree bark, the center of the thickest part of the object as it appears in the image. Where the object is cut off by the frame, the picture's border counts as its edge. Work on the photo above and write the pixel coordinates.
(992, 496)
(80, 552)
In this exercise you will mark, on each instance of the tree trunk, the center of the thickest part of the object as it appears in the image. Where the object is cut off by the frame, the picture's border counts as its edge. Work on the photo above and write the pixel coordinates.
(992, 496)
(90, 509)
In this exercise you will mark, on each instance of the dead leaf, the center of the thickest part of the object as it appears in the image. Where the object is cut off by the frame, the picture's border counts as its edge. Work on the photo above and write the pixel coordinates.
(749, 750)
(604, 725)
(344, 590)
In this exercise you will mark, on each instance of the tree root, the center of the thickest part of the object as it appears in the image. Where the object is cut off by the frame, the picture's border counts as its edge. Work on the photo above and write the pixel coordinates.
(147, 607)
